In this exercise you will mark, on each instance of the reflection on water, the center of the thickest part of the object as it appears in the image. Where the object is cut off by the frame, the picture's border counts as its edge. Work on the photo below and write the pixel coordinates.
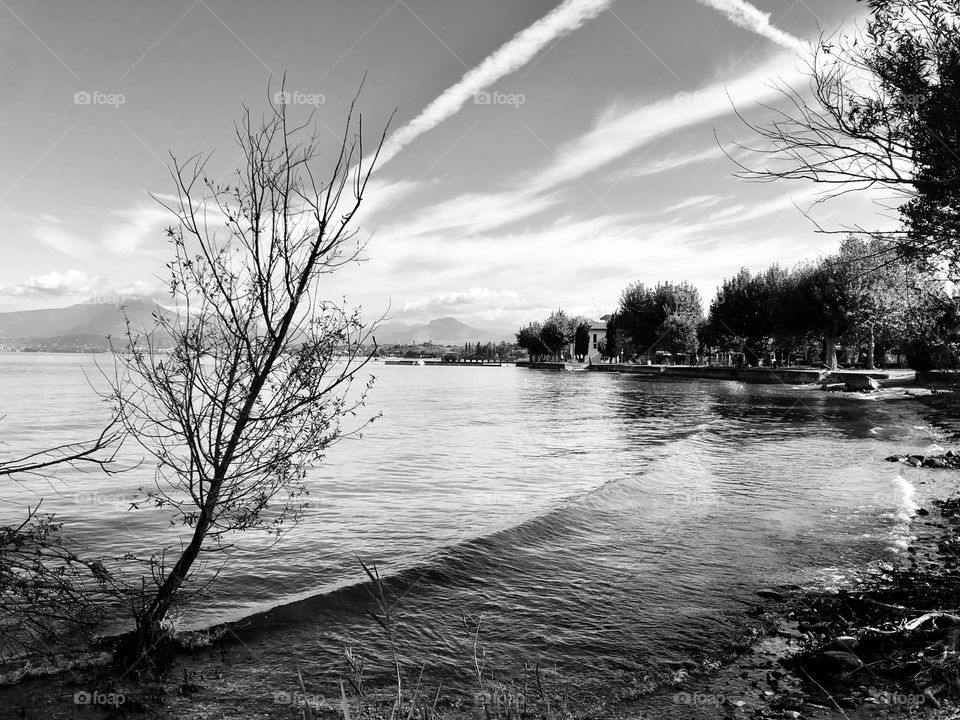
(602, 523)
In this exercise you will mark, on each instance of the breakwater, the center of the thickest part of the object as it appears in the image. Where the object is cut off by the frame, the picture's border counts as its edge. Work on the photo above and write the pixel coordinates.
(786, 376)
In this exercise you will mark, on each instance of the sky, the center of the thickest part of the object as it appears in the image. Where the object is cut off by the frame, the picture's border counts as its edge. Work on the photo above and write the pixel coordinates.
(543, 153)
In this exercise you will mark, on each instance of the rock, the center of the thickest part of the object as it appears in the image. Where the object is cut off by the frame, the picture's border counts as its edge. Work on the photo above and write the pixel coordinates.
(790, 714)
(770, 594)
(843, 657)
(894, 458)
(922, 511)
(934, 462)
(817, 627)
(914, 460)
(844, 642)
(859, 383)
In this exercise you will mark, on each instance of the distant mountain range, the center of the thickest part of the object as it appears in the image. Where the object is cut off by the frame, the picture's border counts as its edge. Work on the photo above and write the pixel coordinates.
(86, 326)
(442, 331)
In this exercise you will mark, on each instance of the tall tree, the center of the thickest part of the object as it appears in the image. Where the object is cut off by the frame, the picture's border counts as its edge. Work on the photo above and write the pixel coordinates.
(557, 332)
(740, 313)
(884, 114)
(529, 339)
(253, 384)
(665, 317)
(581, 341)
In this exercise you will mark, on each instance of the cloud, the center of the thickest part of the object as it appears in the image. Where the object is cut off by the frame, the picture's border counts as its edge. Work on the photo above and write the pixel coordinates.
(695, 201)
(128, 233)
(475, 305)
(751, 18)
(673, 162)
(619, 133)
(57, 284)
(136, 231)
(511, 56)
(77, 284)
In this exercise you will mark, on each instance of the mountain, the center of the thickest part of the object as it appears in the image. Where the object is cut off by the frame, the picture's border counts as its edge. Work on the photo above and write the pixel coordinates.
(83, 325)
(86, 326)
(442, 331)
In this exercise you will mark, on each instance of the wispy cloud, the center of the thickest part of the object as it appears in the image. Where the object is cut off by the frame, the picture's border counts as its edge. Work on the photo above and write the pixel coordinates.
(702, 201)
(511, 56)
(751, 18)
(618, 133)
(674, 162)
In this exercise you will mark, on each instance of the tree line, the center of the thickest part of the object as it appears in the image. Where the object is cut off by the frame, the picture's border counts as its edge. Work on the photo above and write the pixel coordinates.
(864, 296)
(547, 340)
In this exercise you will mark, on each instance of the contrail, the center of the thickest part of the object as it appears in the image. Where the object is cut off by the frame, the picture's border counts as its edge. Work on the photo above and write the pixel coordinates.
(747, 16)
(511, 56)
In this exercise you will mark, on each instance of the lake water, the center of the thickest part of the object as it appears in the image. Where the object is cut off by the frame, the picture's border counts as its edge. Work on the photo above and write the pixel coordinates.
(603, 524)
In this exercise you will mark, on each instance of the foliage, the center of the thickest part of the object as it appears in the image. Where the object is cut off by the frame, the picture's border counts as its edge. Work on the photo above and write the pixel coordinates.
(581, 340)
(665, 317)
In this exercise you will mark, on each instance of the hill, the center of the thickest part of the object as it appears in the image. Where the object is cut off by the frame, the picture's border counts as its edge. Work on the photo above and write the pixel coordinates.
(442, 331)
(85, 325)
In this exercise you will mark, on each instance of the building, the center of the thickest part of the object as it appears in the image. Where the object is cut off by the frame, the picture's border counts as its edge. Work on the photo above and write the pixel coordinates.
(598, 335)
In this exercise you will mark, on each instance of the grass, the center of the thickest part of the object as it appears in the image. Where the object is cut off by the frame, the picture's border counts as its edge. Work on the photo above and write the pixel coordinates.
(413, 697)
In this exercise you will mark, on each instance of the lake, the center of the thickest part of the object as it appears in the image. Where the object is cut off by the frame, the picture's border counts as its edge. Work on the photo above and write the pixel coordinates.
(604, 525)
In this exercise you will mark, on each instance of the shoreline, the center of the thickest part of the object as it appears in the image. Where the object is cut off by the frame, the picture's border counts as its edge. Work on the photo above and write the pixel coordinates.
(771, 638)
(806, 660)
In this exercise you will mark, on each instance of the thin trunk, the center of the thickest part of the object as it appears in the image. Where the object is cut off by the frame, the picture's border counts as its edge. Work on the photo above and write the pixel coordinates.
(871, 346)
(830, 353)
(171, 584)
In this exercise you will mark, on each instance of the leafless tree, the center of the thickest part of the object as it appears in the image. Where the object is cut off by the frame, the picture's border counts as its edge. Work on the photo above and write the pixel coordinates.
(237, 393)
(880, 113)
(48, 586)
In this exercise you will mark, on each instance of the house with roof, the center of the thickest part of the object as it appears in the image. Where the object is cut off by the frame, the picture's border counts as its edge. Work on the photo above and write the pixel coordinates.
(598, 335)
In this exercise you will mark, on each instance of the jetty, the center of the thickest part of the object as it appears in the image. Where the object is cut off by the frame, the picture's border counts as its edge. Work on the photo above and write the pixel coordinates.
(442, 363)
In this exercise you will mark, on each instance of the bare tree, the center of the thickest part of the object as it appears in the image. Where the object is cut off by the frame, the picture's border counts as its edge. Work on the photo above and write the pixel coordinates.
(237, 393)
(882, 112)
(48, 588)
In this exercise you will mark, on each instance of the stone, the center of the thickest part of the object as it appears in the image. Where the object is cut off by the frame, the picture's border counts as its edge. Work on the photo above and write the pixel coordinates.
(894, 458)
(770, 594)
(844, 642)
(857, 383)
(843, 657)
(934, 462)
(922, 512)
